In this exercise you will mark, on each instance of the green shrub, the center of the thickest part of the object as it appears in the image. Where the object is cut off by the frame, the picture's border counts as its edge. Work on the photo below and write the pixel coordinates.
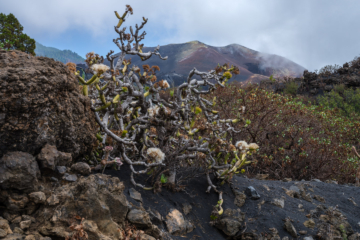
(340, 88)
(297, 139)
(291, 88)
(346, 100)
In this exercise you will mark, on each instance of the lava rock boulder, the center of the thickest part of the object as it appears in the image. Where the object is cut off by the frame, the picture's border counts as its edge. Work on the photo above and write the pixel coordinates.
(40, 103)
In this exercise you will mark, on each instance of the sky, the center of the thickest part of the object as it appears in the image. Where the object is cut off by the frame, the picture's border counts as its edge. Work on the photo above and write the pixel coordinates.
(311, 33)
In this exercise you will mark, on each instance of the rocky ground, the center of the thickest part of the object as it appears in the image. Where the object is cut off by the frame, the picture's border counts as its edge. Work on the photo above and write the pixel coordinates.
(46, 194)
(37, 202)
(293, 209)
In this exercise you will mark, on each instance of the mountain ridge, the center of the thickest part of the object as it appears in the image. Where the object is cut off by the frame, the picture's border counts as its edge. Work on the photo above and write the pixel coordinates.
(183, 57)
(63, 56)
(254, 66)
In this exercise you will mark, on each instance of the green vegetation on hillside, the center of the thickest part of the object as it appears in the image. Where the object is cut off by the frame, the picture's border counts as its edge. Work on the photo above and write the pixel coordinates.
(291, 88)
(11, 36)
(347, 101)
(297, 139)
(63, 56)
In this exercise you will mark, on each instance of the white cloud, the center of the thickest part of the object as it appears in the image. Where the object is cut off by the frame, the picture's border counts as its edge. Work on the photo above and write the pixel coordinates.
(310, 33)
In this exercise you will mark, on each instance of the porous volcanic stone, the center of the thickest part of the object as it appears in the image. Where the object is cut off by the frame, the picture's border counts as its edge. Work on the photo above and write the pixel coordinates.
(49, 157)
(61, 169)
(3, 233)
(37, 197)
(231, 221)
(240, 198)
(4, 225)
(82, 168)
(14, 236)
(18, 170)
(70, 177)
(290, 229)
(139, 217)
(97, 198)
(25, 224)
(40, 102)
(175, 222)
(30, 237)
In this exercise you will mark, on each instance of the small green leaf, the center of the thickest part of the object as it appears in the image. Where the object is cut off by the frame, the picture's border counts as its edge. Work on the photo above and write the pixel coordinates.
(163, 179)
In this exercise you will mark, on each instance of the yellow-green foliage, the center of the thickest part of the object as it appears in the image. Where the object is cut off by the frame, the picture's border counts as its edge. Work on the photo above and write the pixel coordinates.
(291, 88)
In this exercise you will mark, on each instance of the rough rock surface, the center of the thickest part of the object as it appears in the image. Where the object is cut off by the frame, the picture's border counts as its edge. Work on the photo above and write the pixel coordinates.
(139, 217)
(97, 198)
(18, 170)
(101, 205)
(257, 218)
(95, 204)
(49, 157)
(40, 103)
(5, 227)
(37, 197)
(231, 221)
(175, 222)
(82, 168)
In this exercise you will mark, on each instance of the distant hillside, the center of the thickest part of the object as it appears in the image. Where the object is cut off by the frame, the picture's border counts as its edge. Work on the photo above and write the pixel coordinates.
(182, 58)
(63, 56)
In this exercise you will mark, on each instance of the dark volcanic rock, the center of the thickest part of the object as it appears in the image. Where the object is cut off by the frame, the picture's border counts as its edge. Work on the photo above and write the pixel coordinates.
(139, 217)
(14, 202)
(70, 177)
(37, 197)
(261, 217)
(252, 193)
(231, 221)
(40, 103)
(82, 168)
(18, 170)
(61, 169)
(50, 157)
(97, 198)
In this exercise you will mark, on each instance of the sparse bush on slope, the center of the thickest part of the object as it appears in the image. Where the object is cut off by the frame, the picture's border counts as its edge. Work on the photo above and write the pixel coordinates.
(346, 100)
(157, 136)
(328, 70)
(291, 88)
(296, 140)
